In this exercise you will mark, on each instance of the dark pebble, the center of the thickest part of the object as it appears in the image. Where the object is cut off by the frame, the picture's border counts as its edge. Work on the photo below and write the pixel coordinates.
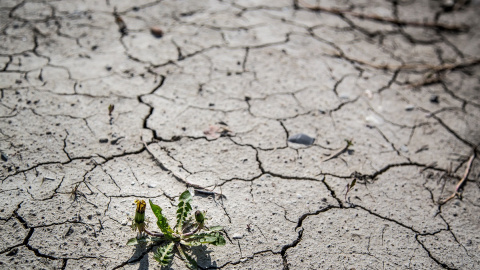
(103, 141)
(434, 99)
(301, 139)
(156, 31)
(4, 157)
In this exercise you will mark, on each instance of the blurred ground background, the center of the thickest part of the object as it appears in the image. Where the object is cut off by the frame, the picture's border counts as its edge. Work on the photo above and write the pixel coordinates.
(216, 88)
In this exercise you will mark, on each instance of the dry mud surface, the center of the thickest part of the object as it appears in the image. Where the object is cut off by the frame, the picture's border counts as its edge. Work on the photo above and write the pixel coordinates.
(216, 97)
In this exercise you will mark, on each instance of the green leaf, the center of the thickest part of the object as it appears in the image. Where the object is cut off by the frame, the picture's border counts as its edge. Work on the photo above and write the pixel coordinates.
(185, 196)
(190, 262)
(183, 210)
(213, 238)
(215, 228)
(353, 183)
(162, 221)
(164, 254)
(134, 241)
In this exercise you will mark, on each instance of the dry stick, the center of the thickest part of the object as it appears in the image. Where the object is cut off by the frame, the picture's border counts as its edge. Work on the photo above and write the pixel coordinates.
(424, 82)
(410, 67)
(460, 183)
(336, 11)
(336, 154)
(196, 187)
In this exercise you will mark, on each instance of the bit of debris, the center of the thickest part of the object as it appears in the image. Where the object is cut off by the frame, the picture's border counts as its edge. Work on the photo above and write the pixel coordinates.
(369, 94)
(122, 27)
(114, 142)
(152, 185)
(301, 139)
(409, 108)
(216, 131)
(462, 181)
(237, 236)
(339, 152)
(156, 31)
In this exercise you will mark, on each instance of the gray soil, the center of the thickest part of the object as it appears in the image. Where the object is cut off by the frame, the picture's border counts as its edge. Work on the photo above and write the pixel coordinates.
(216, 89)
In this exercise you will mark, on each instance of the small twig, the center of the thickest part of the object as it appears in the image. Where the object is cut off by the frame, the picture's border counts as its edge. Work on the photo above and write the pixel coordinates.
(428, 81)
(461, 182)
(196, 187)
(410, 67)
(339, 152)
(343, 12)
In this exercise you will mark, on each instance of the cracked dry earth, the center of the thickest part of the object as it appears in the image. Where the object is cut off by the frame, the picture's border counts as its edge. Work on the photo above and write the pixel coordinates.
(215, 97)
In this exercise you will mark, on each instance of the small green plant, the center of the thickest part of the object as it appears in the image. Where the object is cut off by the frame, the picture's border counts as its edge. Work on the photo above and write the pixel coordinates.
(350, 187)
(189, 231)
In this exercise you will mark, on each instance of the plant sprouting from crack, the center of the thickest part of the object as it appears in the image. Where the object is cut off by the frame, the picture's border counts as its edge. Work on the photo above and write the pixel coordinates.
(189, 231)
(350, 187)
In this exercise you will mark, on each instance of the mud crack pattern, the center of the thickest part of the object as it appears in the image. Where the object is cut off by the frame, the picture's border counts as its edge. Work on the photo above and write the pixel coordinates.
(215, 92)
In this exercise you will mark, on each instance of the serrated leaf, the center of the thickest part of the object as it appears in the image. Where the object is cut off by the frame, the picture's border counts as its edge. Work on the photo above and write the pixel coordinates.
(162, 221)
(213, 238)
(215, 228)
(183, 210)
(164, 254)
(190, 262)
(157, 239)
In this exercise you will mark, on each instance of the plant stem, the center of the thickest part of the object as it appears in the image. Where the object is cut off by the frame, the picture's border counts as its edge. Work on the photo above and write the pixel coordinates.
(464, 178)
(194, 231)
(155, 234)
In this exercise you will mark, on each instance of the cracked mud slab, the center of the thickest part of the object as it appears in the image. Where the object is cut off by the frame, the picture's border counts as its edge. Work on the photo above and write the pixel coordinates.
(215, 98)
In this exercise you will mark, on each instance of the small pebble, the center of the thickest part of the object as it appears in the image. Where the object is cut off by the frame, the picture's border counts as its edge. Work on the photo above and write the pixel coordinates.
(156, 31)
(4, 157)
(369, 94)
(434, 99)
(409, 108)
(301, 139)
(103, 141)
(133, 183)
(404, 148)
(152, 185)
(237, 236)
